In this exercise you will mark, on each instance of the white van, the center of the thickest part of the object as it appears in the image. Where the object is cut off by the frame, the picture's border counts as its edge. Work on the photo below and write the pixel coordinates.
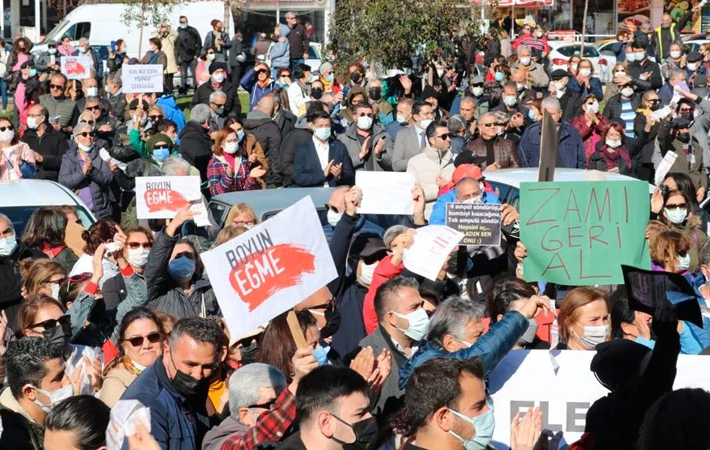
(103, 23)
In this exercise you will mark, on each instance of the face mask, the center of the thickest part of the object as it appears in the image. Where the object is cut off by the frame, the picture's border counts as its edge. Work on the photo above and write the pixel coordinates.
(322, 133)
(520, 87)
(425, 123)
(366, 273)
(249, 354)
(532, 115)
(631, 57)
(440, 72)
(54, 397)
(375, 93)
(60, 334)
(187, 385)
(692, 67)
(33, 123)
(231, 147)
(683, 137)
(484, 424)
(316, 93)
(510, 100)
(332, 323)
(529, 336)
(218, 77)
(160, 154)
(183, 25)
(92, 92)
(321, 356)
(7, 135)
(585, 72)
(181, 269)
(573, 67)
(33, 73)
(138, 365)
(84, 148)
(593, 108)
(138, 257)
(677, 216)
(470, 201)
(333, 217)
(613, 143)
(219, 111)
(402, 119)
(240, 136)
(525, 60)
(560, 85)
(627, 92)
(499, 76)
(620, 73)
(683, 263)
(675, 54)
(364, 122)
(355, 77)
(538, 34)
(418, 324)
(365, 434)
(8, 245)
(52, 51)
(210, 57)
(477, 91)
(54, 291)
(593, 336)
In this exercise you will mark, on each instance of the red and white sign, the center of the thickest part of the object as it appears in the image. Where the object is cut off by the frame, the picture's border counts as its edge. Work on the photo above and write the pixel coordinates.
(76, 67)
(163, 197)
(271, 268)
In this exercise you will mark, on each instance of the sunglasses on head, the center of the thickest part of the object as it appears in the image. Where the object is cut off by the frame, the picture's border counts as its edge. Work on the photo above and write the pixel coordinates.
(51, 323)
(93, 108)
(137, 341)
(135, 245)
(56, 86)
(8, 127)
(86, 134)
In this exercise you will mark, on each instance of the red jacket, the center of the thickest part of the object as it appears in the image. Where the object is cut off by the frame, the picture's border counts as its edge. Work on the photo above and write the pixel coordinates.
(383, 272)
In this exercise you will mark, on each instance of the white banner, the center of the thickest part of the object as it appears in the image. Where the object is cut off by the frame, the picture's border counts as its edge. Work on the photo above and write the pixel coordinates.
(528, 378)
(140, 78)
(163, 197)
(430, 249)
(76, 67)
(385, 192)
(270, 268)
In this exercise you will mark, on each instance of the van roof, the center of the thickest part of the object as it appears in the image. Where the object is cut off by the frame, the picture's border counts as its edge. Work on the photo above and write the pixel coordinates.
(35, 193)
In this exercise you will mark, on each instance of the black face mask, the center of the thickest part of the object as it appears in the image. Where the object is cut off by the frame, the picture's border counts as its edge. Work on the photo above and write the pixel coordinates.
(654, 106)
(249, 353)
(683, 137)
(58, 335)
(365, 434)
(687, 115)
(375, 93)
(355, 76)
(332, 323)
(316, 93)
(185, 384)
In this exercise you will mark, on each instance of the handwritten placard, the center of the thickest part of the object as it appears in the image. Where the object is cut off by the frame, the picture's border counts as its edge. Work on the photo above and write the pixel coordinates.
(479, 222)
(140, 78)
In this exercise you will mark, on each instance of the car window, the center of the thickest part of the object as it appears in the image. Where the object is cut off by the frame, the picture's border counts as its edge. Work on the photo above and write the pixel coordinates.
(571, 50)
(313, 53)
(78, 31)
(19, 215)
(219, 212)
(608, 52)
(84, 217)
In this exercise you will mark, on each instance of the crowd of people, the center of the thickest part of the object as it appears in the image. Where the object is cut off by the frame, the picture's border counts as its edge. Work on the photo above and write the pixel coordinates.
(392, 359)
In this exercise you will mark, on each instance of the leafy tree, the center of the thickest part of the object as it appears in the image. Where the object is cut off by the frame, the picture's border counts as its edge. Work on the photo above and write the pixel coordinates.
(144, 13)
(391, 32)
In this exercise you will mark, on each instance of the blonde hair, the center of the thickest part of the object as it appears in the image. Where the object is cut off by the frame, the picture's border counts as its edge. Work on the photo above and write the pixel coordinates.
(666, 246)
(40, 272)
(573, 301)
(227, 233)
(240, 208)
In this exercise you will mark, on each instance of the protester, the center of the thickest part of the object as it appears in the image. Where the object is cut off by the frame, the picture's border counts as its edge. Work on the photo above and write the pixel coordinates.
(258, 83)
(195, 143)
(59, 105)
(236, 165)
(260, 125)
(674, 211)
(218, 82)
(188, 47)
(584, 319)
(137, 246)
(46, 231)
(17, 160)
(366, 141)
(611, 153)
(499, 153)
(78, 422)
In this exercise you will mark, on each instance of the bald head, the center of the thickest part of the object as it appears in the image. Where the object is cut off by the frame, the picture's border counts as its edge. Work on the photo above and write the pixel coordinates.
(266, 105)
(337, 198)
(518, 76)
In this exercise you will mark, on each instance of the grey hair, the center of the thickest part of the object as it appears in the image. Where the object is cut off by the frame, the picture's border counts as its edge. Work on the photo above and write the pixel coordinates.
(81, 127)
(675, 73)
(93, 100)
(290, 14)
(523, 47)
(83, 41)
(392, 233)
(200, 113)
(456, 123)
(174, 164)
(551, 101)
(246, 383)
(12, 225)
(117, 80)
(452, 316)
(217, 94)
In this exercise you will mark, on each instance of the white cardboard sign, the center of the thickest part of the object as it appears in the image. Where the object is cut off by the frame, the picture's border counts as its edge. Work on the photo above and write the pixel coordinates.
(163, 197)
(385, 192)
(271, 268)
(140, 78)
(76, 67)
(430, 249)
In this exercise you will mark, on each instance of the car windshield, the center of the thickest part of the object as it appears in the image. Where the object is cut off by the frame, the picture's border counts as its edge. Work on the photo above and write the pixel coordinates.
(20, 214)
(55, 33)
(570, 50)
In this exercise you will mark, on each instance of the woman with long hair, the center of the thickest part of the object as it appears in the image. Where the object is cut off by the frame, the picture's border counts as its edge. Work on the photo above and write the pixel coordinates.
(235, 165)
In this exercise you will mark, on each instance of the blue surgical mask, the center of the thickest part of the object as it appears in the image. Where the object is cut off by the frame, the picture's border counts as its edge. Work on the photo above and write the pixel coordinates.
(181, 269)
(240, 136)
(484, 425)
(532, 115)
(330, 78)
(650, 343)
(160, 154)
(499, 76)
(33, 72)
(322, 133)
(321, 355)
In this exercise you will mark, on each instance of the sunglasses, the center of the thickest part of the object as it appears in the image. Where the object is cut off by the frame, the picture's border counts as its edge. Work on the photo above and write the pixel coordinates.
(56, 86)
(86, 134)
(267, 405)
(220, 105)
(210, 53)
(686, 110)
(93, 108)
(331, 208)
(137, 341)
(673, 207)
(8, 127)
(445, 136)
(161, 147)
(51, 323)
(135, 245)
(155, 118)
(260, 71)
(653, 100)
(285, 75)
(488, 125)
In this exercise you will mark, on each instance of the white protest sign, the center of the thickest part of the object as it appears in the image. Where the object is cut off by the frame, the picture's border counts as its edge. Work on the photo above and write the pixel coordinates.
(76, 67)
(527, 378)
(106, 156)
(139, 78)
(664, 167)
(125, 415)
(385, 192)
(430, 249)
(163, 197)
(270, 268)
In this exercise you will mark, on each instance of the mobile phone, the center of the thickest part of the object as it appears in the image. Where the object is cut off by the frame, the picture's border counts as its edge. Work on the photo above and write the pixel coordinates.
(113, 46)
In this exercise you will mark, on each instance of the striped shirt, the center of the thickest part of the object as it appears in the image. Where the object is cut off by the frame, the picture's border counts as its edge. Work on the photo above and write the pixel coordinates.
(628, 115)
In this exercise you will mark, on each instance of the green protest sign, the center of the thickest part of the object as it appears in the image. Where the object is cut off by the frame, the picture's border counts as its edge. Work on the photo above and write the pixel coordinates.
(579, 233)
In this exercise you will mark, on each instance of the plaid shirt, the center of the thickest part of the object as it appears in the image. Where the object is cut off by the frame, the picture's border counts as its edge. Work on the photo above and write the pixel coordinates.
(270, 426)
(220, 182)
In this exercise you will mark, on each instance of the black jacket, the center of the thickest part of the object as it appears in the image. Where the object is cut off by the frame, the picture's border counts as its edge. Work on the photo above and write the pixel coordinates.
(19, 433)
(293, 140)
(570, 102)
(268, 135)
(307, 170)
(298, 40)
(286, 121)
(637, 68)
(117, 106)
(196, 147)
(188, 44)
(114, 291)
(232, 107)
(612, 110)
(51, 145)
(11, 283)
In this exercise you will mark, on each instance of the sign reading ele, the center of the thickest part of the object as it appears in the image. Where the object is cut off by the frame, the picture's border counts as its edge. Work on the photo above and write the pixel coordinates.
(579, 233)
(479, 222)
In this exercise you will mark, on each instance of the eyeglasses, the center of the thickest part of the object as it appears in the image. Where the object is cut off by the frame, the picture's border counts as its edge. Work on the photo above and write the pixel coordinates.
(8, 127)
(673, 207)
(137, 341)
(250, 223)
(488, 125)
(51, 323)
(135, 245)
(155, 118)
(87, 134)
(267, 405)
(93, 108)
(445, 136)
(331, 208)
(56, 86)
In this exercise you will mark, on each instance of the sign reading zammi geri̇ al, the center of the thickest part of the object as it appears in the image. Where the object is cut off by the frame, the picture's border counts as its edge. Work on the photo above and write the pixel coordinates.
(579, 233)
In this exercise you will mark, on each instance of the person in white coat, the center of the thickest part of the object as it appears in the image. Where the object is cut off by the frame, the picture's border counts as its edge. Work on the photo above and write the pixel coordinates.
(167, 37)
(298, 92)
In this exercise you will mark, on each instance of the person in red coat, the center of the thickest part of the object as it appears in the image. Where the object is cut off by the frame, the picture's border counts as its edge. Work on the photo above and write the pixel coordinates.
(591, 124)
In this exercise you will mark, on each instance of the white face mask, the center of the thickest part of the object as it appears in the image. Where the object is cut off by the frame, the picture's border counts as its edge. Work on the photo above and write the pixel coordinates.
(477, 91)
(675, 54)
(440, 72)
(418, 324)
(364, 122)
(538, 34)
(573, 67)
(231, 147)
(520, 86)
(210, 57)
(425, 123)
(619, 73)
(473, 200)
(560, 85)
(52, 51)
(692, 66)
(627, 92)
(92, 92)
(525, 60)
(8, 245)
(593, 336)
(366, 273)
(510, 100)
(613, 143)
(683, 263)
(218, 77)
(54, 397)
(138, 257)
(333, 217)
(501, 131)
(585, 72)
(593, 108)
(32, 123)
(7, 135)
(677, 216)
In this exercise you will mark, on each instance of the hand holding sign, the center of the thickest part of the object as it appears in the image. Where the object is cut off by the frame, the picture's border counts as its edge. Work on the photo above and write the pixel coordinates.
(352, 200)
(303, 363)
(181, 217)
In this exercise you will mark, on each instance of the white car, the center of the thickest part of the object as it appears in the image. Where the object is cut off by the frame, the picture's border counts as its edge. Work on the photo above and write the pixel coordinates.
(20, 198)
(561, 52)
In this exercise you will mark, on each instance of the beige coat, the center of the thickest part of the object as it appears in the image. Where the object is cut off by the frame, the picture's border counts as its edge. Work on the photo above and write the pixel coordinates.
(426, 167)
(115, 384)
(168, 44)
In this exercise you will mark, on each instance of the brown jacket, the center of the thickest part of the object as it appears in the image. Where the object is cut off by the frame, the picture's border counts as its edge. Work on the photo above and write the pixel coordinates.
(251, 145)
(115, 384)
(503, 151)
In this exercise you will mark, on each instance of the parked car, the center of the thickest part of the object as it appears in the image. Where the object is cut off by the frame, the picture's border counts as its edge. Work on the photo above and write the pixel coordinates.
(20, 198)
(561, 52)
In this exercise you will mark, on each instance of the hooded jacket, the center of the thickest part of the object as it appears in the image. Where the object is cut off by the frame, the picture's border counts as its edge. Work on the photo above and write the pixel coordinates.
(280, 52)
(196, 147)
(172, 112)
(268, 136)
(256, 91)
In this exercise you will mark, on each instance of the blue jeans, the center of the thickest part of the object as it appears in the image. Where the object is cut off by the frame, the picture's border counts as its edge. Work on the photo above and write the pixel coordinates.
(294, 63)
(3, 92)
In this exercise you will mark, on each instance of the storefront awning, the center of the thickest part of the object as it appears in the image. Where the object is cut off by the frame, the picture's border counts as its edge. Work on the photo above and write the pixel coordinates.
(521, 3)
